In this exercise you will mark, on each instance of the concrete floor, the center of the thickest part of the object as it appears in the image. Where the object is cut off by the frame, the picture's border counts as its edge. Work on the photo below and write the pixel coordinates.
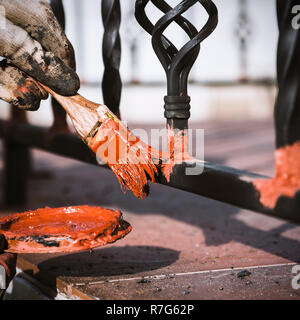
(182, 246)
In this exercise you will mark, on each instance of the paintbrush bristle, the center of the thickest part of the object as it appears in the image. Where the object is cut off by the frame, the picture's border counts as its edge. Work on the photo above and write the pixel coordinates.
(127, 156)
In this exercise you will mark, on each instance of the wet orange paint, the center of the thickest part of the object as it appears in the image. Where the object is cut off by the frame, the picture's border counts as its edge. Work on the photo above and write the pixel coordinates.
(127, 156)
(177, 153)
(287, 179)
(23, 89)
(65, 229)
(132, 161)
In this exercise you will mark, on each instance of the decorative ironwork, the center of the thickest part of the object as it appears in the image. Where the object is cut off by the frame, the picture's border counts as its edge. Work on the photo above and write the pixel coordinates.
(111, 83)
(177, 63)
(287, 108)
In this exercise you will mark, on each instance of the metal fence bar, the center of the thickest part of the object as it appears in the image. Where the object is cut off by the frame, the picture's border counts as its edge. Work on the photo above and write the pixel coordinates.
(287, 108)
(216, 182)
(111, 83)
(17, 164)
(59, 114)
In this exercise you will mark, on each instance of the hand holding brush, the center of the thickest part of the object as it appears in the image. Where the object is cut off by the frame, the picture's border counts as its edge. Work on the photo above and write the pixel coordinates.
(47, 57)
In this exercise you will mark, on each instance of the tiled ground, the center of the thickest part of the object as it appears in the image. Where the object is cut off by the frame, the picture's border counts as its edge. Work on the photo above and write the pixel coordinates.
(203, 242)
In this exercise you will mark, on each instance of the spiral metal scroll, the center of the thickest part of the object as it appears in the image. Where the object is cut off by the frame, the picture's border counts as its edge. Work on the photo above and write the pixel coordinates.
(177, 63)
(287, 108)
(111, 84)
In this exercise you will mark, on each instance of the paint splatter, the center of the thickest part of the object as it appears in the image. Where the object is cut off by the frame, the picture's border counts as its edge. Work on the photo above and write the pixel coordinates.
(177, 153)
(287, 179)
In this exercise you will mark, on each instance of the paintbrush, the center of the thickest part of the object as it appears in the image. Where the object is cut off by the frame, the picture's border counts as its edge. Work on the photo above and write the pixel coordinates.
(127, 156)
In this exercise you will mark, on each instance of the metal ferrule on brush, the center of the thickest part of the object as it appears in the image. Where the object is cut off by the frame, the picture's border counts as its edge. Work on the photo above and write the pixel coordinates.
(93, 132)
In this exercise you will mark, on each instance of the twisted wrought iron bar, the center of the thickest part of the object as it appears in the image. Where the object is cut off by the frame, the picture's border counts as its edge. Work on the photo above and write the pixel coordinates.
(59, 114)
(177, 63)
(287, 108)
(111, 83)
(59, 12)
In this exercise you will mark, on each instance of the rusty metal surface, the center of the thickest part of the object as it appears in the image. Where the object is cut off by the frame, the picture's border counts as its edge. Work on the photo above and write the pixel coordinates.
(173, 232)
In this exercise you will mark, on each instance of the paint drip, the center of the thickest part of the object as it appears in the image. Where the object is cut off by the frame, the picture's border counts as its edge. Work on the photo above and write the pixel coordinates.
(177, 153)
(287, 179)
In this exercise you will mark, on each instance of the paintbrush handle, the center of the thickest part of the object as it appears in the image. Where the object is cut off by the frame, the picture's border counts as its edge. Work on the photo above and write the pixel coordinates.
(85, 114)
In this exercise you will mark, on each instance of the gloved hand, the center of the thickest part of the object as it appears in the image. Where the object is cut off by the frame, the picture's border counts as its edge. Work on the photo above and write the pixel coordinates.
(36, 47)
(7, 260)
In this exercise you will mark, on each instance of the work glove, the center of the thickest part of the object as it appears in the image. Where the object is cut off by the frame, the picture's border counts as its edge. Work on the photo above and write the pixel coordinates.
(36, 48)
(8, 261)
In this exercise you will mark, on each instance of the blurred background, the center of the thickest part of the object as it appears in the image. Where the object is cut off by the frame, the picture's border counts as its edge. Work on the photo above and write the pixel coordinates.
(233, 78)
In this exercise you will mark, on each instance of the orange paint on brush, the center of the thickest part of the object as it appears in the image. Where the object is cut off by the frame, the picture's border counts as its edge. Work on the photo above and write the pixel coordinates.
(287, 179)
(124, 153)
(117, 146)
(31, 87)
(65, 229)
(23, 89)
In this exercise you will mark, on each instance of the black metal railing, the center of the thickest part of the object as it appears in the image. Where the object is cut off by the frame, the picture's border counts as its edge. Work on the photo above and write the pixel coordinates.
(111, 83)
